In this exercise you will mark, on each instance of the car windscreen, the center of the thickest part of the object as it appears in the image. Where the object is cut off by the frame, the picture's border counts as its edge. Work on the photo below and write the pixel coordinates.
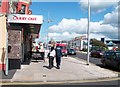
(63, 47)
(72, 50)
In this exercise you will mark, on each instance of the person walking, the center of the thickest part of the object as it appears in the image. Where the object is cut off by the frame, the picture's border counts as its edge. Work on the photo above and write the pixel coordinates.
(51, 57)
(58, 55)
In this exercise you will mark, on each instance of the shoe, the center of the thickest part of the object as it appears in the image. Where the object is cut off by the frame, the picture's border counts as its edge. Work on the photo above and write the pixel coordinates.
(58, 67)
(49, 67)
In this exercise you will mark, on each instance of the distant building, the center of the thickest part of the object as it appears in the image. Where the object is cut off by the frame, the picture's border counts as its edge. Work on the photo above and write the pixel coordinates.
(112, 44)
(78, 43)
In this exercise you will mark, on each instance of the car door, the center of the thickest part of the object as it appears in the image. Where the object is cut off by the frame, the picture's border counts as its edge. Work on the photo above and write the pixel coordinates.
(113, 60)
(116, 59)
(108, 58)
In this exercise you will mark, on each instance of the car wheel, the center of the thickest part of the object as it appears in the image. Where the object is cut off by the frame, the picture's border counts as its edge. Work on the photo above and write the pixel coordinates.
(104, 64)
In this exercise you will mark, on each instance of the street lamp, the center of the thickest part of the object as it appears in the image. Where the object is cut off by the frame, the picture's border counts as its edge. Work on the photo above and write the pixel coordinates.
(88, 33)
(48, 21)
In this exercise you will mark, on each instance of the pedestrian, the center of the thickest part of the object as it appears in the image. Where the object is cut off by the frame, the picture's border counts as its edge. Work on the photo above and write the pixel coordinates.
(42, 51)
(51, 57)
(58, 55)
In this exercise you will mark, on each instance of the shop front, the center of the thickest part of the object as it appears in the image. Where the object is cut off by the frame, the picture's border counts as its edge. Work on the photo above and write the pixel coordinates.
(21, 29)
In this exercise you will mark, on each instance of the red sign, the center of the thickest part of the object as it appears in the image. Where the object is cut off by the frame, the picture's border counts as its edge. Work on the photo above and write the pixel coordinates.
(24, 18)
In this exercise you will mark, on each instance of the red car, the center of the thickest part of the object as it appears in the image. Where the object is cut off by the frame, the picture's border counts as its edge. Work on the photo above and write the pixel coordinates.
(64, 48)
(97, 53)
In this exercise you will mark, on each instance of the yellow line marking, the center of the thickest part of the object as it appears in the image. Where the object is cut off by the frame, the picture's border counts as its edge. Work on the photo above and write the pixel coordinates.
(42, 83)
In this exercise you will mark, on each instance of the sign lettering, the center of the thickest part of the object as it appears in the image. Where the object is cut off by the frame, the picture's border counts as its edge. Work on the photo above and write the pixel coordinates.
(18, 18)
(24, 18)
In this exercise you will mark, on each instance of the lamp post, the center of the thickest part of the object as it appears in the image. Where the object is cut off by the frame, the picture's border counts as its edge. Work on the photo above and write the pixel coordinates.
(48, 21)
(88, 33)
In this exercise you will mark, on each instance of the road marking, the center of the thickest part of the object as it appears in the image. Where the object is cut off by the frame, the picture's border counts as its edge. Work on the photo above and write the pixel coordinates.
(62, 82)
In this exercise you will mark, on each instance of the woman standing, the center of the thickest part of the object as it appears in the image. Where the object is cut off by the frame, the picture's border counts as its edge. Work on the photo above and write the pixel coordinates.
(51, 57)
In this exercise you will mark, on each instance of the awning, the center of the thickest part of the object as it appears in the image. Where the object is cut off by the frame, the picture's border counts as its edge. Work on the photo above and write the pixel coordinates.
(30, 22)
(26, 19)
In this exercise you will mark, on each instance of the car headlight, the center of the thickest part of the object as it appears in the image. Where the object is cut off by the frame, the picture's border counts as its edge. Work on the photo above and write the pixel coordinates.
(101, 54)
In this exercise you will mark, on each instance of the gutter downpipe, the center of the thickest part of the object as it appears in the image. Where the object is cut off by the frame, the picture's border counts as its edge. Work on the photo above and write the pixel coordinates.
(6, 70)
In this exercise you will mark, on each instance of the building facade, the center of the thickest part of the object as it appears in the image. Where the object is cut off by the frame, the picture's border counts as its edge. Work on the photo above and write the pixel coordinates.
(78, 43)
(2, 41)
(21, 26)
(4, 6)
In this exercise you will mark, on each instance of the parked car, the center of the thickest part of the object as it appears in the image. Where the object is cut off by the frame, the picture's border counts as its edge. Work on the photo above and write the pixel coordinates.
(111, 58)
(97, 53)
(71, 51)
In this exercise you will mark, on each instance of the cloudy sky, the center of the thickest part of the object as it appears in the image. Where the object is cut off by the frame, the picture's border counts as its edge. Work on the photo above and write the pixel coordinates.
(69, 19)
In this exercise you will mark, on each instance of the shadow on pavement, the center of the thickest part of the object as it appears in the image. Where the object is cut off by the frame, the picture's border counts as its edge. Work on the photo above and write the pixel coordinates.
(10, 74)
(108, 67)
(26, 62)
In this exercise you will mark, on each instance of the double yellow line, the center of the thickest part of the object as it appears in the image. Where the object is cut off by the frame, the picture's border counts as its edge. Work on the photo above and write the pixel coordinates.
(57, 83)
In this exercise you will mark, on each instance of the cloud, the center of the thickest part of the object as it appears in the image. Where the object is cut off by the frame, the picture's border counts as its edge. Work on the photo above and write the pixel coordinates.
(62, 36)
(112, 18)
(70, 25)
(70, 28)
(97, 5)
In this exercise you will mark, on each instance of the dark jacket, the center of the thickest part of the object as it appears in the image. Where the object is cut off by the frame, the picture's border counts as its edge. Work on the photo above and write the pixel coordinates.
(58, 51)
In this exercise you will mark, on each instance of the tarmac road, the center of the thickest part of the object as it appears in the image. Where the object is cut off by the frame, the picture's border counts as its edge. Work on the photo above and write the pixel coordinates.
(96, 61)
(81, 55)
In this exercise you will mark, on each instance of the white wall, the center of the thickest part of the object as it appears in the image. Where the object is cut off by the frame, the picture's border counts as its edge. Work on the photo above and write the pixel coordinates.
(2, 39)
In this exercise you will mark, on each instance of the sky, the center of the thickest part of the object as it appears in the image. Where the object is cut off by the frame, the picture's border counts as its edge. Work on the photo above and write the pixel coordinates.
(69, 19)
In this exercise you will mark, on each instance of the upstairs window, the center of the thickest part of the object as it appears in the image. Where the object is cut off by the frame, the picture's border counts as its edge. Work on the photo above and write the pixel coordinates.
(0, 2)
(23, 9)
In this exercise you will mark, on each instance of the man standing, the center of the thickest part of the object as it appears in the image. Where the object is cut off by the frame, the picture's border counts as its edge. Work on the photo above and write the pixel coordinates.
(58, 56)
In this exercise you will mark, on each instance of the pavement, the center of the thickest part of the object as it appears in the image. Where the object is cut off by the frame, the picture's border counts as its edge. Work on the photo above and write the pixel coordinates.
(71, 70)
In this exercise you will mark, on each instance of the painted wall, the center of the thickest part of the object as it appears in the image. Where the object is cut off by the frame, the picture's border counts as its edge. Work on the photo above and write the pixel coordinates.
(4, 6)
(22, 6)
(2, 41)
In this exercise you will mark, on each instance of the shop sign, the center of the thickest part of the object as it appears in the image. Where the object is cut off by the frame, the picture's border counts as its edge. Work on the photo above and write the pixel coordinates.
(20, 18)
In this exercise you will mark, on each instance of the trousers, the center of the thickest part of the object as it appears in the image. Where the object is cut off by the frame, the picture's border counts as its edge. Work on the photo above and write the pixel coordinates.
(51, 59)
(58, 61)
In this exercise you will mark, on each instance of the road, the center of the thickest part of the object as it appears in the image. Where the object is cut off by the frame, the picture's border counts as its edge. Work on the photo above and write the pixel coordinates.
(81, 55)
(114, 83)
(97, 61)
